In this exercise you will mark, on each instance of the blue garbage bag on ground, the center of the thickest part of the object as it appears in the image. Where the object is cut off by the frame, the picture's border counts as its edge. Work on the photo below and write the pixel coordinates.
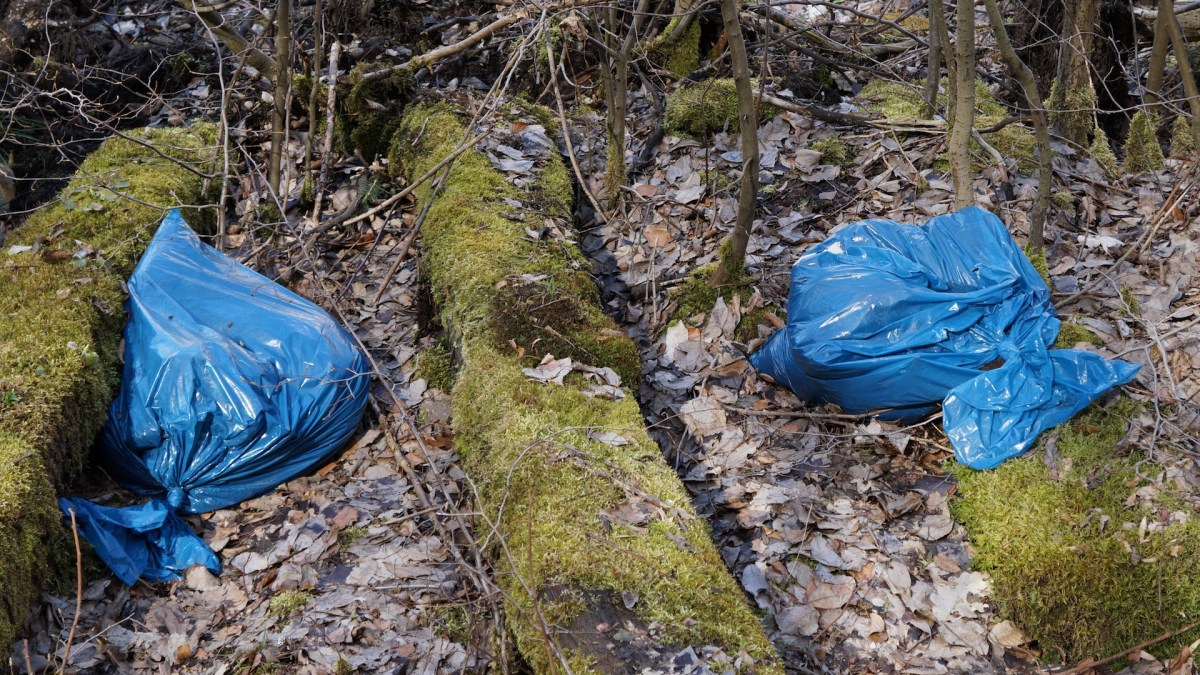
(902, 317)
(231, 386)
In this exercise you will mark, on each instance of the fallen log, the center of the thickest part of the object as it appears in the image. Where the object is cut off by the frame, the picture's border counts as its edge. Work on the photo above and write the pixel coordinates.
(1187, 14)
(61, 314)
(604, 565)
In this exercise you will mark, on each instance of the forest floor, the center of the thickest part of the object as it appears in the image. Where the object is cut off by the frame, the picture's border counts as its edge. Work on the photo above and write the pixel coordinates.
(841, 528)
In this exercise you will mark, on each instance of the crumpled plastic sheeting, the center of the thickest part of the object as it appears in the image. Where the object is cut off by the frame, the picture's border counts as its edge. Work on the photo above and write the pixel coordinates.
(901, 317)
(231, 386)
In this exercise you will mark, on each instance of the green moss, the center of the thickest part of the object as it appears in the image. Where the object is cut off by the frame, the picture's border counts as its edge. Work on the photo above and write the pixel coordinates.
(914, 23)
(372, 108)
(60, 322)
(454, 623)
(1037, 258)
(1132, 306)
(1183, 141)
(1015, 140)
(1072, 333)
(900, 101)
(703, 108)
(1063, 549)
(1071, 111)
(563, 322)
(435, 364)
(287, 603)
(1142, 151)
(683, 56)
(1101, 151)
(833, 151)
(894, 100)
(697, 294)
(351, 534)
(747, 328)
(540, 475)
(1064, 201)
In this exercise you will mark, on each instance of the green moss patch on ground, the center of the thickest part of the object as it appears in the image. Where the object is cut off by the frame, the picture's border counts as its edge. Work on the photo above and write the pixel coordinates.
(701, 109)
(62, 311)
(579, 519)
(1072, 333)
(1076, 560)
(900, 101)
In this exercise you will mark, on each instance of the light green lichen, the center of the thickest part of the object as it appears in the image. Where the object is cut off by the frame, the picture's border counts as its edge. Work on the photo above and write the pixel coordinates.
(541, 476)
(1142, 151)
(1069, 561)
(61, 312)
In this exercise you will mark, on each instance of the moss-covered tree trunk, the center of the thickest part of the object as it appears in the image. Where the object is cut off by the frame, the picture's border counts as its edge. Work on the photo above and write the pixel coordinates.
(1073, 96)
(593, 531)
(61, 313)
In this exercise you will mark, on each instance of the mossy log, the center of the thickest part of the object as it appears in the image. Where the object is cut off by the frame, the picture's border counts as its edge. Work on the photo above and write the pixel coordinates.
(592, 527)
(61, 313)
(1089, 550)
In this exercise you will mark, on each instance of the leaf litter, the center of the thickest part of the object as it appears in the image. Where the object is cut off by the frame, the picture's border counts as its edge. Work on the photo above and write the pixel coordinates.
(838, 526)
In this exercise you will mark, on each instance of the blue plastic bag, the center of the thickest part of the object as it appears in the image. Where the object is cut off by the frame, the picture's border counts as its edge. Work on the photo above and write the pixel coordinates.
(902, 317)
(232, 385)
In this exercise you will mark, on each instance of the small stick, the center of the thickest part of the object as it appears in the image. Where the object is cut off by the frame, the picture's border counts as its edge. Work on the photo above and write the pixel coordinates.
(78, 592)
(400, 258)
(28, 658)
(387, 203)
(335, 51)
(1090, 665)
(566, 132)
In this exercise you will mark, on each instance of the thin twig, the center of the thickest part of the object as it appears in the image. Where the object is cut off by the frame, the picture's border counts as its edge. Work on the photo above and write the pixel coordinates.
(1090, 665)
(78, 593)
(420, 181)
(566, 132)
(335, 51)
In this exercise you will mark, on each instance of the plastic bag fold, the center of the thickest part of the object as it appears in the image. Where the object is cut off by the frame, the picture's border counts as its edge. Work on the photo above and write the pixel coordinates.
(231, 385)
(900, 318)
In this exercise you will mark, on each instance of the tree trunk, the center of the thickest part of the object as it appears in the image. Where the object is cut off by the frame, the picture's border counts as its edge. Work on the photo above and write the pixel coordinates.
(733, 252)
(1037, 219)
(1073, 96)
(937, 21)
(1158, 63)
(1179, 46)
(959, 143)
(616, 84)
(283, 85)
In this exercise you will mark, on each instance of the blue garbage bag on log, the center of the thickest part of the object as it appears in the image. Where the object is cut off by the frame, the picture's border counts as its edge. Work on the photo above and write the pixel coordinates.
(231, 386)
(885, 316)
